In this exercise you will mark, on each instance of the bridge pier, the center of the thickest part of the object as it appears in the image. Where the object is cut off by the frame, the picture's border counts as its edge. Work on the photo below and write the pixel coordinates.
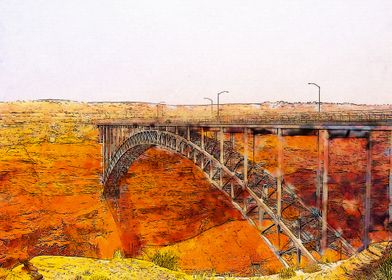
(319, 176)
(324, 225)
(279, 173)
(366, 240)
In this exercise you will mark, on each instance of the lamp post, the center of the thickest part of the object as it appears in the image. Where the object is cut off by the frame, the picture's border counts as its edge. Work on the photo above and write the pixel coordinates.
(219, 93)
(319, 96)
(212, 104)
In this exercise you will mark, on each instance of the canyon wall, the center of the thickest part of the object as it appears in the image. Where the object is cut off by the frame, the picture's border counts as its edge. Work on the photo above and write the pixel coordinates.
(52, 203)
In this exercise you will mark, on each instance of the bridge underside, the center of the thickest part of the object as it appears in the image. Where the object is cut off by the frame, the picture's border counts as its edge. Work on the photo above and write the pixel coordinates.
(111, 185)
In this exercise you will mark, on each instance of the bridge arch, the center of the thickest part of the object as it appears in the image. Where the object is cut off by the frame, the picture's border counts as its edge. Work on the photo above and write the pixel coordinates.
(252, 194)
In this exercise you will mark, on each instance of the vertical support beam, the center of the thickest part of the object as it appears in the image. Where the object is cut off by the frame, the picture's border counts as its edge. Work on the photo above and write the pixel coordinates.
(231, 190)
(253, 146)
(122, 135)
(298, 249)
(245, 156)
(232, 139)
(102, 136)
(221, 142)
(390, 177)
(279, 181)
(319, 178)
(188, 133)
(110, 141)
(202, 147)
(279, 173)
(368, 190)
(107, 145)
(324, 226)
(118, 136)
(202, 138)
(221, 154)
(177, 142)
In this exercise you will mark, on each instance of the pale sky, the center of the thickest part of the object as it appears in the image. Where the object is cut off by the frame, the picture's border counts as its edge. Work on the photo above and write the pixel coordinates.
(182, 51)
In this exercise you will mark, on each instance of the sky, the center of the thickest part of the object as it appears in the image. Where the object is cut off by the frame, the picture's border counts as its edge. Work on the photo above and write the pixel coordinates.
(179, 52)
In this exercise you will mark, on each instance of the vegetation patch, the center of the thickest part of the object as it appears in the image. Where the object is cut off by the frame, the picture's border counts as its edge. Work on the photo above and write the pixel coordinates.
(286, 273)
(378, 270)
(167, 259)
(311, 268)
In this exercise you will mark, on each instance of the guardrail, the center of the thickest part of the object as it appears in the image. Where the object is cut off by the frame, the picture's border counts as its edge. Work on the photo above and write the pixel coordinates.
(361, 117)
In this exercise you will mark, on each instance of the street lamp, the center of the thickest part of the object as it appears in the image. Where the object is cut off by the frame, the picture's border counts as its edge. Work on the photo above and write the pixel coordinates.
(212, 103)
(219, 93)
(319, 108)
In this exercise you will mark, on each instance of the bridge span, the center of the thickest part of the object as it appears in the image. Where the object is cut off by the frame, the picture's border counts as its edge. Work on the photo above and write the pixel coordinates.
(266, 201)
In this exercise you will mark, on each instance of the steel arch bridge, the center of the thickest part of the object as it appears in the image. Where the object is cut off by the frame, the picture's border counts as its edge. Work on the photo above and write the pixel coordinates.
(265, 201)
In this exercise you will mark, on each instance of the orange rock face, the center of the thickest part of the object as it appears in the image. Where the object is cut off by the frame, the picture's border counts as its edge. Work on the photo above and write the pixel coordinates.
(50, 201)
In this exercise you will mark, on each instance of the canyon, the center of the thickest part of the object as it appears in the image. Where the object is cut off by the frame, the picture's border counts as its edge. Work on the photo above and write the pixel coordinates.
(52, 202)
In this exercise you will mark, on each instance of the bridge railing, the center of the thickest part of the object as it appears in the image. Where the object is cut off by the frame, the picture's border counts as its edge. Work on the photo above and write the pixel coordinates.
(297, 118)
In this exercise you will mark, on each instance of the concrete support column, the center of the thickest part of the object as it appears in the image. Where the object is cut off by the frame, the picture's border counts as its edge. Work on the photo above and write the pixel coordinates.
(279, 173)
(324, 226)
(368, 190)
(245, 156)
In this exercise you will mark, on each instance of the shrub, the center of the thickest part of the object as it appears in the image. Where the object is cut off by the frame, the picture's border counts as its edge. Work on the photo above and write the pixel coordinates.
(118, 254)
(165, 259)
(99, 277)
(384, 271)
(287, 273)
(311, 268)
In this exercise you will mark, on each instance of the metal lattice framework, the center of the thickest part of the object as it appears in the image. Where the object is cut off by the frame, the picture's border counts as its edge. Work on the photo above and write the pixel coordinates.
(286, 224)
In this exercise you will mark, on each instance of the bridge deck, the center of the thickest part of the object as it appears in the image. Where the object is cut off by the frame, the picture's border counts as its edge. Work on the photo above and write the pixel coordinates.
(335, 125)
(354, 119)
